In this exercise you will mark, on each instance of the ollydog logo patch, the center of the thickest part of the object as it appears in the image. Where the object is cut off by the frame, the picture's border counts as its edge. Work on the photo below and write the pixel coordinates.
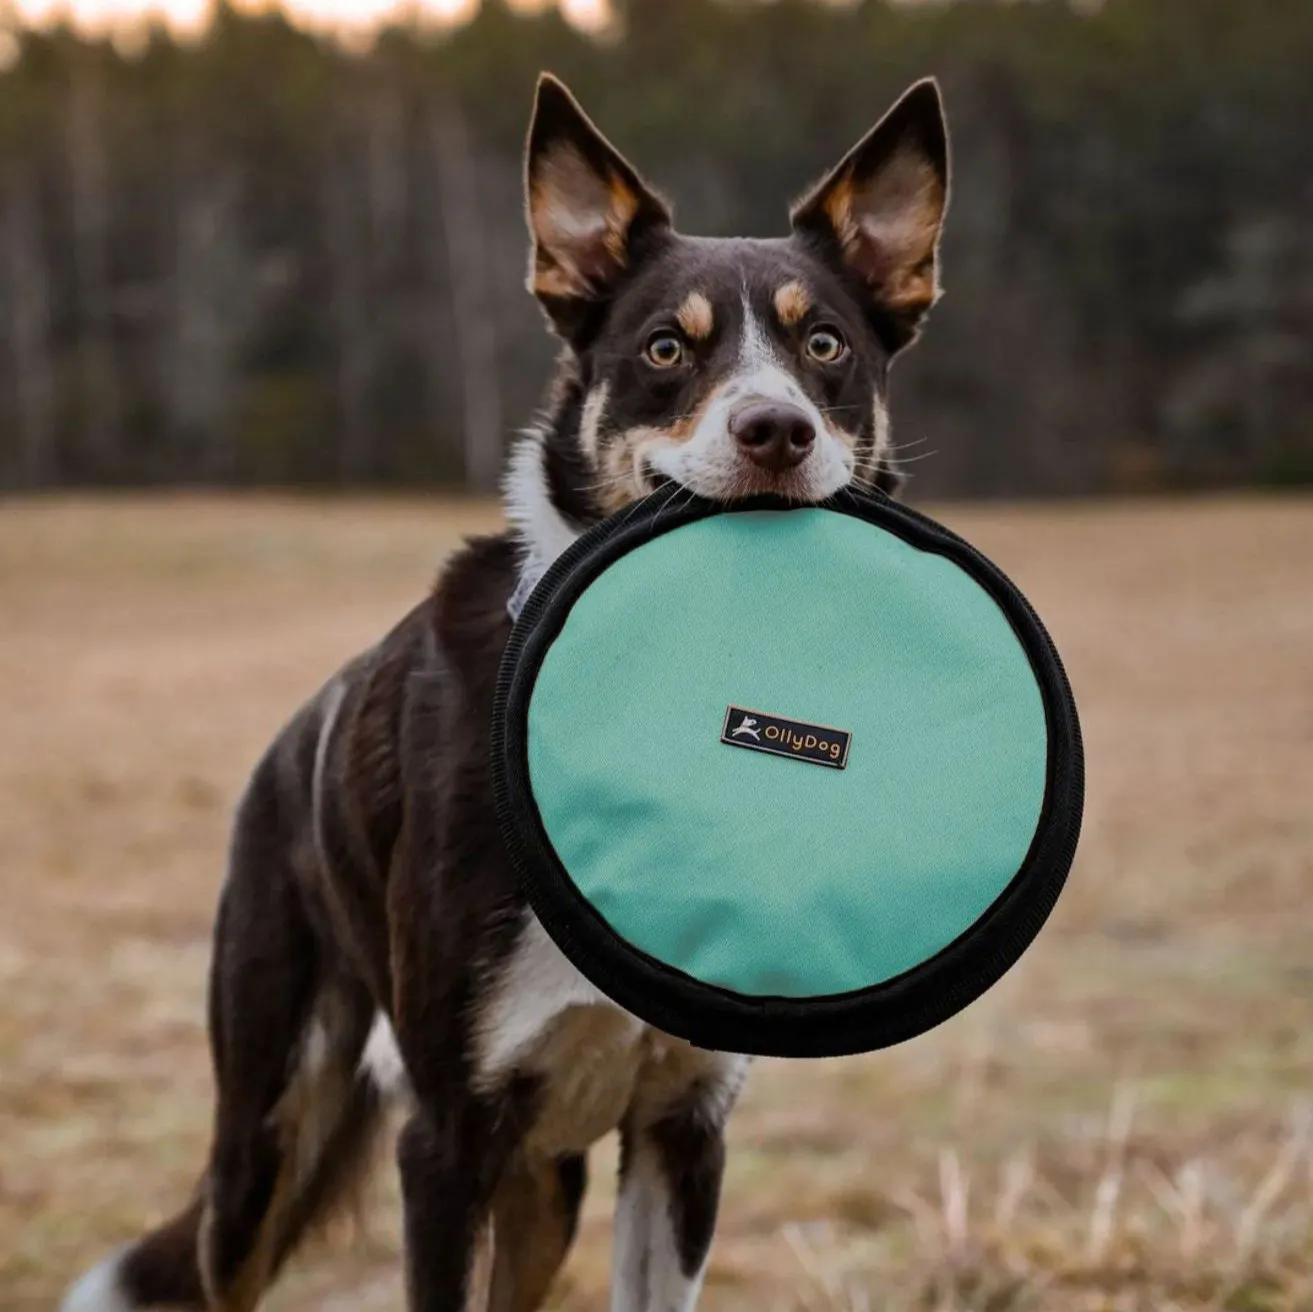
(759, 732)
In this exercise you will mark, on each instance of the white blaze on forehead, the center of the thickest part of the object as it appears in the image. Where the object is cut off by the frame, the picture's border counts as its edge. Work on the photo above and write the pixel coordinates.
(755, 347)
(761, 374)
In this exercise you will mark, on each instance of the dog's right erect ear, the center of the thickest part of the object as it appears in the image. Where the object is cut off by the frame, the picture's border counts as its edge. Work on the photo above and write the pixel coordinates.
(589, 211)
(880, 210)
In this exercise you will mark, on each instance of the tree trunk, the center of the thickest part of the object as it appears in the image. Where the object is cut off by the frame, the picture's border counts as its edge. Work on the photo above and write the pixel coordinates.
(473, 311)
(29, 335)
(210, 306)
(90, 204)
(349, 260)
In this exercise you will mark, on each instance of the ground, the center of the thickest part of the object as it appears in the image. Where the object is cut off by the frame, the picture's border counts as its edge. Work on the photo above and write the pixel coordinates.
(1123, 1123)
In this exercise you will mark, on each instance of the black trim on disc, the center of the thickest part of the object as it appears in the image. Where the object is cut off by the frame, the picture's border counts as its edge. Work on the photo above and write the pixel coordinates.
(717, 1018)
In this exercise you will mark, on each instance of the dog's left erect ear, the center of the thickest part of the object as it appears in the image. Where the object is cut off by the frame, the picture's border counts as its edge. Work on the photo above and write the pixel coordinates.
(589, 211)
(880, 210)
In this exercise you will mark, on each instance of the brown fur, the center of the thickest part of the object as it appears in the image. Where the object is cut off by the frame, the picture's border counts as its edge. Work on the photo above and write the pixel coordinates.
(534, 1214)
(792, 302)
(882, 207)
(585, 205)
(896, 254)
(566, 262)
(695, 317)
(619, 484)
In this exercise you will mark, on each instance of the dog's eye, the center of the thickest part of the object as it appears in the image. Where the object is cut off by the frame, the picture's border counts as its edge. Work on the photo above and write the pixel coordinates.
(826, 346)
(664, 350)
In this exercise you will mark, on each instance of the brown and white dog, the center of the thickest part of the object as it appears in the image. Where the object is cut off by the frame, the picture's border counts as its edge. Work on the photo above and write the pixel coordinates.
(370, 935)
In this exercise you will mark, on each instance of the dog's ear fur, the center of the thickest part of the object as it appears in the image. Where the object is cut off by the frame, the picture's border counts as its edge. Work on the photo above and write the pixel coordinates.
(880, 210)
(589, 211)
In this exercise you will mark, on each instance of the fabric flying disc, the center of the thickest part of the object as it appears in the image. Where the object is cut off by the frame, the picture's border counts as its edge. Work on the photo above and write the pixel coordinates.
(786, 780)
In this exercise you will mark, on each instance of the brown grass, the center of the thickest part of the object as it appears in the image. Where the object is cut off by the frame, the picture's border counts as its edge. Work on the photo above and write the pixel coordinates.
(1121, 1124)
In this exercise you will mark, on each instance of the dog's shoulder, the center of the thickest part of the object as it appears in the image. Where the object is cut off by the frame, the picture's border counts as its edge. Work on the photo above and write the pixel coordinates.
(462, 629)
(468, 606)
(418, 696)
(450, 642)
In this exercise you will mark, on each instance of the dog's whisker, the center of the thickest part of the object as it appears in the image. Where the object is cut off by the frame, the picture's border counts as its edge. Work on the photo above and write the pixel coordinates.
(619, 482)
(895, 447)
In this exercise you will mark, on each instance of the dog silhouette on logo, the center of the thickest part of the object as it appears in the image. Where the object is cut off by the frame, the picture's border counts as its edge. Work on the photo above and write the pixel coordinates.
(747, 729)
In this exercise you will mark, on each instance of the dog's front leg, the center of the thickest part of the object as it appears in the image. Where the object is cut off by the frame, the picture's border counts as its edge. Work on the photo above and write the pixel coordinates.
(451, 906)
(453, 1152)
(445, 1161)
(672, 1161)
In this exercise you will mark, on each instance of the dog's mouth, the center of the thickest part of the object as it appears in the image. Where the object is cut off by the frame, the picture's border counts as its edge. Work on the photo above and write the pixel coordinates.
(792, 488)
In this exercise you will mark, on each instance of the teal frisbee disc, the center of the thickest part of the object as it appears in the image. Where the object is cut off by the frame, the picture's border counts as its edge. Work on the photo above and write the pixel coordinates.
(785, 780)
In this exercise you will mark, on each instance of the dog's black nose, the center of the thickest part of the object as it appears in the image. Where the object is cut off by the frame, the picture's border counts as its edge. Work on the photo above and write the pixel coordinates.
(774, 435)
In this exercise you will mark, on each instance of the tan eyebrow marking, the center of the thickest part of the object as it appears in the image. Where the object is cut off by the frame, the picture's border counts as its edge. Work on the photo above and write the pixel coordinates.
(792, 302)
(695, 316)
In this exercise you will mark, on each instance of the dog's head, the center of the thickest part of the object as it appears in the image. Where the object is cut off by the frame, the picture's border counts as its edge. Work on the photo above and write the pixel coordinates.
(729, 366)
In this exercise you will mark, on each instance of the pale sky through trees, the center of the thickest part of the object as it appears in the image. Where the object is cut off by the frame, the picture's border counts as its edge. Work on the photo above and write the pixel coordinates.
(185, 17)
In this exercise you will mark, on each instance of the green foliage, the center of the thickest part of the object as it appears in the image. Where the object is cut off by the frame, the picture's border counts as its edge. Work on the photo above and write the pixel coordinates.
(250, 229)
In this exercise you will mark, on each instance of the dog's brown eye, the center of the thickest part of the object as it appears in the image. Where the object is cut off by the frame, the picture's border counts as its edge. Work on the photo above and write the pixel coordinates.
(664, 350)
(825, 345)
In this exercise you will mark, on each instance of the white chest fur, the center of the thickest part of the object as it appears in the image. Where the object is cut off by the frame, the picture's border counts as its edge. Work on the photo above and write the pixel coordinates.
(544, 1017)
(598, 1063)
(536, 986)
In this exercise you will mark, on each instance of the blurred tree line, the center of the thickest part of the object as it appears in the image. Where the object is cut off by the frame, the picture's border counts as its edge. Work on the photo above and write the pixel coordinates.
(262, 258)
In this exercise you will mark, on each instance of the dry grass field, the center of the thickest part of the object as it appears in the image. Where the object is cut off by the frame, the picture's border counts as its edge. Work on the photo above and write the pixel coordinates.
(1124, 1123)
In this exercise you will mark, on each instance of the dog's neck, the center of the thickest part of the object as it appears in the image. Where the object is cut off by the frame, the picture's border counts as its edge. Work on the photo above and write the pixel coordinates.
(543, 531)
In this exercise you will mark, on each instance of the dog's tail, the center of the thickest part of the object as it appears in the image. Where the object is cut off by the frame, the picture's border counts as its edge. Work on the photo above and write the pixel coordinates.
(160, 1269)
(303, 1066)
(223, 1250)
